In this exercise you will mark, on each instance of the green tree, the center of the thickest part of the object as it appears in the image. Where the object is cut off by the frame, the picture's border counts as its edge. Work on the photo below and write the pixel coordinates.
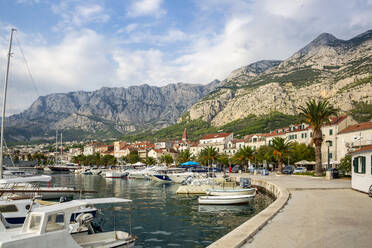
(281, 148)
(224, 160)
(185, 156)
(133, 157)
(79, 159)
(317, 114)
(301, 151)
(208, 155)
(150, 161)
(265, 153)
(108, 160)
(345, 164)
(166, 158)
(244, 156)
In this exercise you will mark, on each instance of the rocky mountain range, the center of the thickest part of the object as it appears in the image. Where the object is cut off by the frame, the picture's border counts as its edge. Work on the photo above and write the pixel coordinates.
(330, 68)
(107, 112)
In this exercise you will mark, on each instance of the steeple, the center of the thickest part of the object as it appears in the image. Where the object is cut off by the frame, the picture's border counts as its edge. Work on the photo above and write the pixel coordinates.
(184, 136)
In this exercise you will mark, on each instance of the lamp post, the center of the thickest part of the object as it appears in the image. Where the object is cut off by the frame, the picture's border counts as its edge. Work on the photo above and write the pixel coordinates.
(328, 158)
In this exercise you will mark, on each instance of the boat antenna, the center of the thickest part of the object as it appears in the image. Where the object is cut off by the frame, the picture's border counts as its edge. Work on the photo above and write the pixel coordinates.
(4, 101)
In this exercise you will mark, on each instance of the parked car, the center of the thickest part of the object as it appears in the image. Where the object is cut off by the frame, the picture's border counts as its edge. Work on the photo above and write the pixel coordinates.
(288, 170)
(235, 169)
(299, 170)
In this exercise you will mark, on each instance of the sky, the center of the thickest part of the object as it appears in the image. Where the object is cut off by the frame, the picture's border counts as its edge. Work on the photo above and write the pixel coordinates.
(71, 45)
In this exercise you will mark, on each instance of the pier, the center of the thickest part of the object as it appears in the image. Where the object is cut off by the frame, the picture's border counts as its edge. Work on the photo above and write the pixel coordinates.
(308, 212)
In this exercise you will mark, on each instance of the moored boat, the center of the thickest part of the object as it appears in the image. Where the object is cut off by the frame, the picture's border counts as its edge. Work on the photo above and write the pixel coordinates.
(225, 200)
(49, 227)
(116, 174)
(222, 192)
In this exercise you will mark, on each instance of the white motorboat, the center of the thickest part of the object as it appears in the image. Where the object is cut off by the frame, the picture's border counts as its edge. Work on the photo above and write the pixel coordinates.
(222, 192)
(49, 227)
(15, 211)
(171, 175)
(225, 200)
(116, 174)
(28, 187)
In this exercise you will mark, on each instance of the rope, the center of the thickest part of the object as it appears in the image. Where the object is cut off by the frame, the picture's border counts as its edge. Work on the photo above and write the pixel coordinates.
(26, 64)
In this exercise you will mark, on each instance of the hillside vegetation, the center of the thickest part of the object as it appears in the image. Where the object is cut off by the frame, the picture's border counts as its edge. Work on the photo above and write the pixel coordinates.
(197, 128)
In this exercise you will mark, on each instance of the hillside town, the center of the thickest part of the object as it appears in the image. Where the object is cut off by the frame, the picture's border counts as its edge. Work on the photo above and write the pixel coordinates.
(341, 136)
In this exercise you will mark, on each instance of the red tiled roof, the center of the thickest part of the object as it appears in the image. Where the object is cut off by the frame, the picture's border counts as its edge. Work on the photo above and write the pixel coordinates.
(357, 127)
(336, 119)
(365, 148)
(215, 135)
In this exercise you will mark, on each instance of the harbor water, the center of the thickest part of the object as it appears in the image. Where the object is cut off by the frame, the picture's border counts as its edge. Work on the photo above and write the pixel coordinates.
(158, 216)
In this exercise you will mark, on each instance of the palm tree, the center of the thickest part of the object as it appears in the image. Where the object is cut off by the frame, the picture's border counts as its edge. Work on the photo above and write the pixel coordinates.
(208, 154)
(185, 156)
(166, 158)
(150, 161)
(281, 147)
(244, 155)
(317, 114)
(224, 160)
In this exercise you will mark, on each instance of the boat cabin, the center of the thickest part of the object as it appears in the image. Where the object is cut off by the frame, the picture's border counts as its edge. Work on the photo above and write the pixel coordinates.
(362, 169)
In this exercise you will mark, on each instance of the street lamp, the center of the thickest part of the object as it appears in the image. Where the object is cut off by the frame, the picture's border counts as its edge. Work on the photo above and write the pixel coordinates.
(329, 143)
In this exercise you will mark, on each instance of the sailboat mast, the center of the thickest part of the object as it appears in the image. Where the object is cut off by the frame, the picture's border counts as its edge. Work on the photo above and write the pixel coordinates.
(4, 101)
(56, 151)
(61, 148)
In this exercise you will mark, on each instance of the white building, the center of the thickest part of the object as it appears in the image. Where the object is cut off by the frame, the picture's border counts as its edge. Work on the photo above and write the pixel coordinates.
(353, 137)
(362, 169)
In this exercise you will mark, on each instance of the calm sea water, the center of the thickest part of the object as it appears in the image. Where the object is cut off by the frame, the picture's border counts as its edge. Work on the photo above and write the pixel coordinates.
(160, 217)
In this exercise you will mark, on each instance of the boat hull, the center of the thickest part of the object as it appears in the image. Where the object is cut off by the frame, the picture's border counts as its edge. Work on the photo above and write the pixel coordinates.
(224, 200)
(227, 192)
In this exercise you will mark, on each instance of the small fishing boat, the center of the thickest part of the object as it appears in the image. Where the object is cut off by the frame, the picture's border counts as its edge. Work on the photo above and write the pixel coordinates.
(49, 227)
(15, 211)
(225, 200)
(222, 192)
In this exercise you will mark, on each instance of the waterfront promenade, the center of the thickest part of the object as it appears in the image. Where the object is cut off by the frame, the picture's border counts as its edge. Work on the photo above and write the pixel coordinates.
(319, 213)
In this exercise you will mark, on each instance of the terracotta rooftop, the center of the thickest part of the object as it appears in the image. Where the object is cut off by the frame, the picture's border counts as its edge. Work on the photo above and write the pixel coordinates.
(215, 135)
(365, 148)
(336, 119)
(357, 127)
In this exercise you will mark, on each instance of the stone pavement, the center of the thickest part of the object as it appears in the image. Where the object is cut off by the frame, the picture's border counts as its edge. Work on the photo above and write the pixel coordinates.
(319, 213)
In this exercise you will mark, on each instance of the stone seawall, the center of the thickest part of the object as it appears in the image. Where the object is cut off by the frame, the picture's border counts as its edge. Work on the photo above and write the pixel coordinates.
(243, 233)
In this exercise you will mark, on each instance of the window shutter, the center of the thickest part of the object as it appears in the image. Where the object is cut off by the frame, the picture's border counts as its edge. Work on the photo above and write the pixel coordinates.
(363, 164)
(355, 164)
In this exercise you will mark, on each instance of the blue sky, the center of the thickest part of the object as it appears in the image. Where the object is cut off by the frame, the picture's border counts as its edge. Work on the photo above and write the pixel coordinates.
(87, 44)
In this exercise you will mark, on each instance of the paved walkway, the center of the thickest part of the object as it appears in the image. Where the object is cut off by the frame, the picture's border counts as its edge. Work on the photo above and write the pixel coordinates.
(320, 213)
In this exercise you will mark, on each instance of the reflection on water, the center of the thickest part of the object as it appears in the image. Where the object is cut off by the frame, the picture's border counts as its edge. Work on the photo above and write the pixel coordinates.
(160, 218)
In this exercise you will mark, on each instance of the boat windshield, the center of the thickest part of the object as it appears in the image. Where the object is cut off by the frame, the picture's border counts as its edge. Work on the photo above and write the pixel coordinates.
(35, 222)
(55, 222)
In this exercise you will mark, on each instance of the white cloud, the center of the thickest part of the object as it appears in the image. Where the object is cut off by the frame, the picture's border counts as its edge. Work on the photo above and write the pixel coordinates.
(146, 8)
(78, 15)
(243, 32)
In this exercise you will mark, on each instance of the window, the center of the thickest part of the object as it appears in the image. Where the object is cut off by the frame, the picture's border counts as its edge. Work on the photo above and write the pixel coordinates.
(311, 134)
(359, 164)
(55, 222)
(8, 208)
(330, 131)
(35, 223)
(330, 155)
